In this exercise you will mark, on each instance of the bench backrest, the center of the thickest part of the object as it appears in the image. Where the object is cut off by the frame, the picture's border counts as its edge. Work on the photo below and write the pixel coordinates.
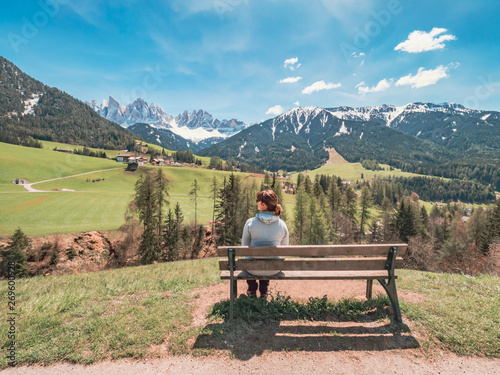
(319, 257)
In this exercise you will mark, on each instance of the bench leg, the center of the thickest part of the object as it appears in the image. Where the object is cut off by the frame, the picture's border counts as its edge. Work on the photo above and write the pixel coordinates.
(233, 286)
(390, 288)
(369, 284)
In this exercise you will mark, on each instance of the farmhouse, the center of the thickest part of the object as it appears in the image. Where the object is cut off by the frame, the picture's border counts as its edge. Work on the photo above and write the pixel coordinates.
(159, 162)
(139, 160)
(122, 157)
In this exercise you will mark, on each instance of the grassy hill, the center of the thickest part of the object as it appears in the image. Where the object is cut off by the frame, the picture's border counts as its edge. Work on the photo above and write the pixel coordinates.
(96, 205)
(145, 312)
(100, 205)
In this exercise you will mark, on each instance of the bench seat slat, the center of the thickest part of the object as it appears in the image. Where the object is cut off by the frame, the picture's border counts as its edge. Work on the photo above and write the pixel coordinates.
(312, 251)
(305, 264)
(311, 275)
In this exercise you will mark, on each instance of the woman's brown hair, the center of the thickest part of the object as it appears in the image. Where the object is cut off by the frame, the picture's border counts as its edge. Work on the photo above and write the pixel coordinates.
(270, 199)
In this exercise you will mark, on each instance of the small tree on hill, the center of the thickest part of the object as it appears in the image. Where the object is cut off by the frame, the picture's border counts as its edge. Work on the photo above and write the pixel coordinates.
(16, 254)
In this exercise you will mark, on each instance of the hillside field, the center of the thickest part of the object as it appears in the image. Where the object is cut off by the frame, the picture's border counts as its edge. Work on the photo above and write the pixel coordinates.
(100, 199)
(98, 205)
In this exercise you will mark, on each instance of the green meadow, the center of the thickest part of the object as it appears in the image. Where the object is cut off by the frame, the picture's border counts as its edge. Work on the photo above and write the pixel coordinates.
(355, 171)
(42, 164)
(100, 189)
(147, 312)
(98, 200)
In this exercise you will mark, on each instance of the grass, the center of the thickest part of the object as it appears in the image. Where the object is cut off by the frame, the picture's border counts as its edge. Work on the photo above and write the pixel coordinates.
(284, 308)
(123, 313)
(353, 171)
(63, 212)
(50, 146)
(461, 311)
(41, 164)
(146, 311)
(94, 205)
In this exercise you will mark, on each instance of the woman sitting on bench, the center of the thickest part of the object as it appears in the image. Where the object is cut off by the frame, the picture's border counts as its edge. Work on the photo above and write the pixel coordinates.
(265, 229)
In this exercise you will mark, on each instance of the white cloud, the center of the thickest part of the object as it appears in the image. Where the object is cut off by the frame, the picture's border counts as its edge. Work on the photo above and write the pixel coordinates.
(381, 86)
(320, 85)
(292, 63)
(297, 103)
(420, 41)
(290, 80)
(356, 55)
(276, 110)
(425, 77)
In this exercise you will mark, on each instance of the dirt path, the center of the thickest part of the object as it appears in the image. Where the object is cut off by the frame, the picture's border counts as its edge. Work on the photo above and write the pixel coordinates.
(292, 347)
(30, 188)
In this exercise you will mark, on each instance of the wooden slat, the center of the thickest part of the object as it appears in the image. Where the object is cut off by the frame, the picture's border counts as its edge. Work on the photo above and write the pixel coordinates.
(323, 264)
(313, 251)
(312, 275)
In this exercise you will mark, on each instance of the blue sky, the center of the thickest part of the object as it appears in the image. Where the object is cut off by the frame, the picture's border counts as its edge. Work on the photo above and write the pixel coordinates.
(252, 59)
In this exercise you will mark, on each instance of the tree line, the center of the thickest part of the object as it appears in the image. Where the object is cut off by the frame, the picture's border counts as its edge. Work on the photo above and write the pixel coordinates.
(327, 211)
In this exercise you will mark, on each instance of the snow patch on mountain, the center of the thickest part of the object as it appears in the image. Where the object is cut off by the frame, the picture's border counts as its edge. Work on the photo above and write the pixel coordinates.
(30, 104)
(342, 130)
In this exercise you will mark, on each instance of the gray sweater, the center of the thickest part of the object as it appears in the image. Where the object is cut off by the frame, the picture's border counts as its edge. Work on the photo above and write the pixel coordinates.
(265, 229)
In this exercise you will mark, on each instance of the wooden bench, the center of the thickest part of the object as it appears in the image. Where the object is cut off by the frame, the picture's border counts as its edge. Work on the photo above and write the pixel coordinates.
(319, 262)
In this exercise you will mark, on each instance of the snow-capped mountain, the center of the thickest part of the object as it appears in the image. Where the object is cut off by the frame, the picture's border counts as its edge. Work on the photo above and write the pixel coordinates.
(449, 124)
(138, 111)
(391, 115)
(416, 133)
(197, 126)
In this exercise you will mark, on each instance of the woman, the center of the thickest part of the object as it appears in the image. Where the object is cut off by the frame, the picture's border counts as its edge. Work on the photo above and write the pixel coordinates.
(265, 229)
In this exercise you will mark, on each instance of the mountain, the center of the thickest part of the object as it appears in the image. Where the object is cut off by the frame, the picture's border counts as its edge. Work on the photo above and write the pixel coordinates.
(199, 128)
(420, 134)
(474, 132)
(28, 108)
(137, 112)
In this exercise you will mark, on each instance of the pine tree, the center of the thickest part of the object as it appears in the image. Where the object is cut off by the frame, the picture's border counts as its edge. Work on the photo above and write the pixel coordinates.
(150, 195)
(194, 194)
(15, 256)
(198, 242)
(366, 204)
(317, 230)
(404, 220)
(214, 189)
(308, 185)
(279, 192)
(348, 205)
(317, 188)
(172, 234)
(300, 215)
(229, 224)
(161, 183)
(492, 229)
(266, 184)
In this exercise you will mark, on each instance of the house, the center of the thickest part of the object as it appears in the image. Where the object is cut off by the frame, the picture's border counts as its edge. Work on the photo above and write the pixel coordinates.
(137, 160)
(122, 157)
(159, 162)
(20, 181)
